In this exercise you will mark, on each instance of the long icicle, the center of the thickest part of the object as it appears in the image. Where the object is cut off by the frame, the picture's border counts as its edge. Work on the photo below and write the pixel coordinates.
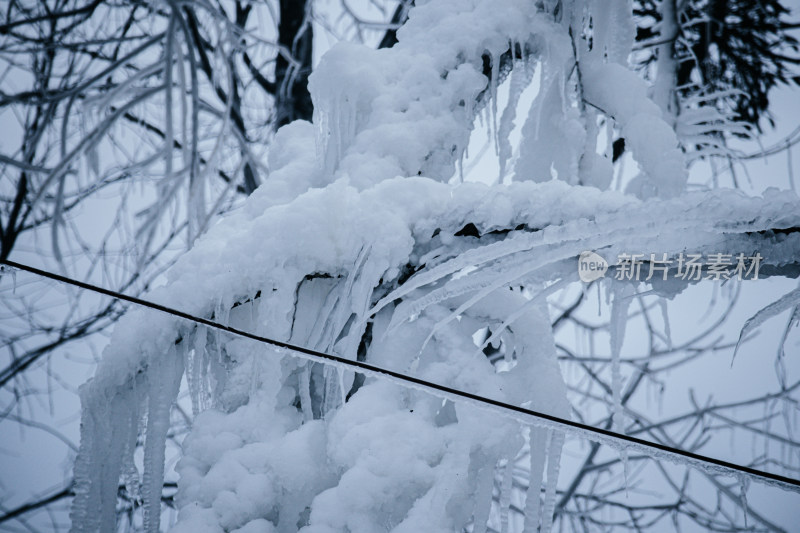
(553, 467)
(538, 443)
(505, 493)
(164, 378)
(619, 316)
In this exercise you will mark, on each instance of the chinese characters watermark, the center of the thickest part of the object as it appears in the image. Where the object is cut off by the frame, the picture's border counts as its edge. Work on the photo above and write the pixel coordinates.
(689, 267)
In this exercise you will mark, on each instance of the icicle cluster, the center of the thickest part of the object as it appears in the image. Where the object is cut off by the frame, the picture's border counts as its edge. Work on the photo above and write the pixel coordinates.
(340, 265)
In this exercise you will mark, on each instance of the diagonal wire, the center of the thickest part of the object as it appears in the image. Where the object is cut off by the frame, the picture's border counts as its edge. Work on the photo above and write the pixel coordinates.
(706, 463)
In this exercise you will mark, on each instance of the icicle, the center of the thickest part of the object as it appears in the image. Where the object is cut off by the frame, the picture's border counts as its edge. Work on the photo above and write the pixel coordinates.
(203, 347)
(163, 381)
(483, 496)
(333, 393)
(665, 316)
(478, 257)
(538, 442)
(223, 309)
(493, 91)
(108, 429)
(189, 362)
(342, 390)
(553, 466)
(305, 392)
(520, 78)
(619, 316)
(83, 514)
(505, 494)
(131, 480)
(130, 474)
(458, 286)
(197, 370)
(112, 461)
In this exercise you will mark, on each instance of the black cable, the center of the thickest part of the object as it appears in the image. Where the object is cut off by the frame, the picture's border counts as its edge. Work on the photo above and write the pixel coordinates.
(360, 365)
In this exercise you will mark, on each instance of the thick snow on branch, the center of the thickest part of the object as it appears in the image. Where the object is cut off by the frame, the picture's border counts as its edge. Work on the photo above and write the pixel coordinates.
(408, 110)
(399, 221)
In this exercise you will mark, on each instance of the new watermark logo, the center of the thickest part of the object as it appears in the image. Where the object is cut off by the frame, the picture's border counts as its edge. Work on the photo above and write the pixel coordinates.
(691, 267)
(591, 266)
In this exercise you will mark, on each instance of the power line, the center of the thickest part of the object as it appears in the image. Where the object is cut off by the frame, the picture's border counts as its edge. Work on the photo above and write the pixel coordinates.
(513, 411)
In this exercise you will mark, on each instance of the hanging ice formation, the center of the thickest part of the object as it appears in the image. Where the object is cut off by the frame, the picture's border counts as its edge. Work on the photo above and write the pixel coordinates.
(358, 248)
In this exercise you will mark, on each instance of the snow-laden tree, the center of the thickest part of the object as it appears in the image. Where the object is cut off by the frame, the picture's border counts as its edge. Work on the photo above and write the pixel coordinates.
(366, 243)
(127, 128)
